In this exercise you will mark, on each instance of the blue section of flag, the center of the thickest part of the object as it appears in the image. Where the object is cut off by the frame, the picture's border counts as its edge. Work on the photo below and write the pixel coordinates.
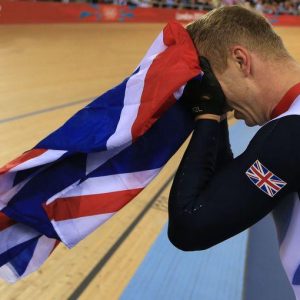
(20, 262)
(296, 277)
(264, 189)
(139, 156)
(254, 180)
(265, 170)
(26, 206)
(78, 135)
(22, 175)
(14, 252)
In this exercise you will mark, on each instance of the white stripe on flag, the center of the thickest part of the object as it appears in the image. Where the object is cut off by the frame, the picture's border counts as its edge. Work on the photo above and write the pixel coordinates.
(134, 89)
(132, 98)
(63, 192)
(8, 273)
(15, 235)
(46, 157)
(41, 252)
(6, 181)
(157, 47)
(179, 92)
(132, 101)
(73, 231)
(95, 160)
(113, 183)
(5, 197)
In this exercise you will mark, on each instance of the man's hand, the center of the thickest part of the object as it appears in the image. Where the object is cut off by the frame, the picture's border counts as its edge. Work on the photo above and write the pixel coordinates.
(204, 96)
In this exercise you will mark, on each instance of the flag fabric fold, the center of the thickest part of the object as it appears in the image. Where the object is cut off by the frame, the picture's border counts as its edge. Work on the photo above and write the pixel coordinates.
(100, 159)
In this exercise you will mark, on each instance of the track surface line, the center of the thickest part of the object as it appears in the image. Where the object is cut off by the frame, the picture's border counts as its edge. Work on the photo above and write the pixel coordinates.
(45, 110)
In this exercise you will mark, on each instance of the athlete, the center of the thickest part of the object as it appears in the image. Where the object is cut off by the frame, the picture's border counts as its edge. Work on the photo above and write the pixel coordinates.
(215, 196)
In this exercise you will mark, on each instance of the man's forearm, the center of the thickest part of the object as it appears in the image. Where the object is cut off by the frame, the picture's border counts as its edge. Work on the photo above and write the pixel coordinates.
(194, 172)
(196, 167)
(207, 151)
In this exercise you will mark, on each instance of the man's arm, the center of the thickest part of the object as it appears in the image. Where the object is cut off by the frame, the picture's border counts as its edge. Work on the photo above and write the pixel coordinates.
(224, 154)
(212, 201)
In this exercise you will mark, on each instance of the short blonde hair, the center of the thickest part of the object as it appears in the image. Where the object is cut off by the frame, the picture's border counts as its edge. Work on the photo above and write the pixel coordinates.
(214, 33)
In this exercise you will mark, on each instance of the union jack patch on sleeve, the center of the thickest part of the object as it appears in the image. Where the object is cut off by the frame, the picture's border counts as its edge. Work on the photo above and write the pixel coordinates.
(264, 179)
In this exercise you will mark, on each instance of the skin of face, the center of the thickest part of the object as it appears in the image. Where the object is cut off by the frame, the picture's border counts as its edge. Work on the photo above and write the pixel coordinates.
(238, 96)
(254, 83)
(239, 84)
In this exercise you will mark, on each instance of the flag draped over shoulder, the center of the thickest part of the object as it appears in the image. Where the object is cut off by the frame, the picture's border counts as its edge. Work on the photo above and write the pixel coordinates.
(100, 159)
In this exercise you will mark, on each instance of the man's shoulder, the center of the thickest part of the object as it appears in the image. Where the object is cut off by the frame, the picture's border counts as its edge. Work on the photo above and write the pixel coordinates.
(285, 129)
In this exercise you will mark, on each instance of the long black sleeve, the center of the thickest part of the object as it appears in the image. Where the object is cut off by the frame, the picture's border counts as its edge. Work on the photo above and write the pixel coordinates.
(188, 181)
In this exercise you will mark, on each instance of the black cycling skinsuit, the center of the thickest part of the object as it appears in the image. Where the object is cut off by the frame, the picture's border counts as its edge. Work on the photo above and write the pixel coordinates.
(213, 197)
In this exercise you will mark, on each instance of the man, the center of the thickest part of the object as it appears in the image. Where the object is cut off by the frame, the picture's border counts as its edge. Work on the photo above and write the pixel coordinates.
(214, 196)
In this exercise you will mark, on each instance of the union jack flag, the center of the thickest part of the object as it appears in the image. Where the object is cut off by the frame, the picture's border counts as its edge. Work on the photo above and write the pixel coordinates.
(264, 179)
(83, 173)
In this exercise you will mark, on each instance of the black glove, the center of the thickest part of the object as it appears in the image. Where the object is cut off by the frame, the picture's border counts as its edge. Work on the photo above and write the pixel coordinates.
(204, 96)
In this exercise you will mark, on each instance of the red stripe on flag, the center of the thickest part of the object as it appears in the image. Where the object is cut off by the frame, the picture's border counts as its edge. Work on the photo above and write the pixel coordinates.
(169, 70)
(88, 205)
(24, 157)
(264, 179)
(5, 221)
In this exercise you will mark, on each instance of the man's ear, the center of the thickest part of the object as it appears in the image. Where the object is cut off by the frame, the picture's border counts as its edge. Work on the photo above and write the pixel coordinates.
(242, 59)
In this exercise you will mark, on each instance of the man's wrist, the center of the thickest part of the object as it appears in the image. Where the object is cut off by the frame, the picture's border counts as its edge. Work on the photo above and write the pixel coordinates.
(208, 117)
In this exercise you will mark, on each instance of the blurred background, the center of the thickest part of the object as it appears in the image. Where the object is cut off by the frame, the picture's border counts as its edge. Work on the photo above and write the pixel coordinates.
(276, 7)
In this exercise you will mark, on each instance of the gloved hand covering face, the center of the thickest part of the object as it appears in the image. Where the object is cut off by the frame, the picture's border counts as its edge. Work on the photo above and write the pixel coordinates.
(204, 95)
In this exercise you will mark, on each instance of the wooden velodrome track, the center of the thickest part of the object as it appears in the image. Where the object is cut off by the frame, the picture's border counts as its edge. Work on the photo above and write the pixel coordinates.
(48, 72)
